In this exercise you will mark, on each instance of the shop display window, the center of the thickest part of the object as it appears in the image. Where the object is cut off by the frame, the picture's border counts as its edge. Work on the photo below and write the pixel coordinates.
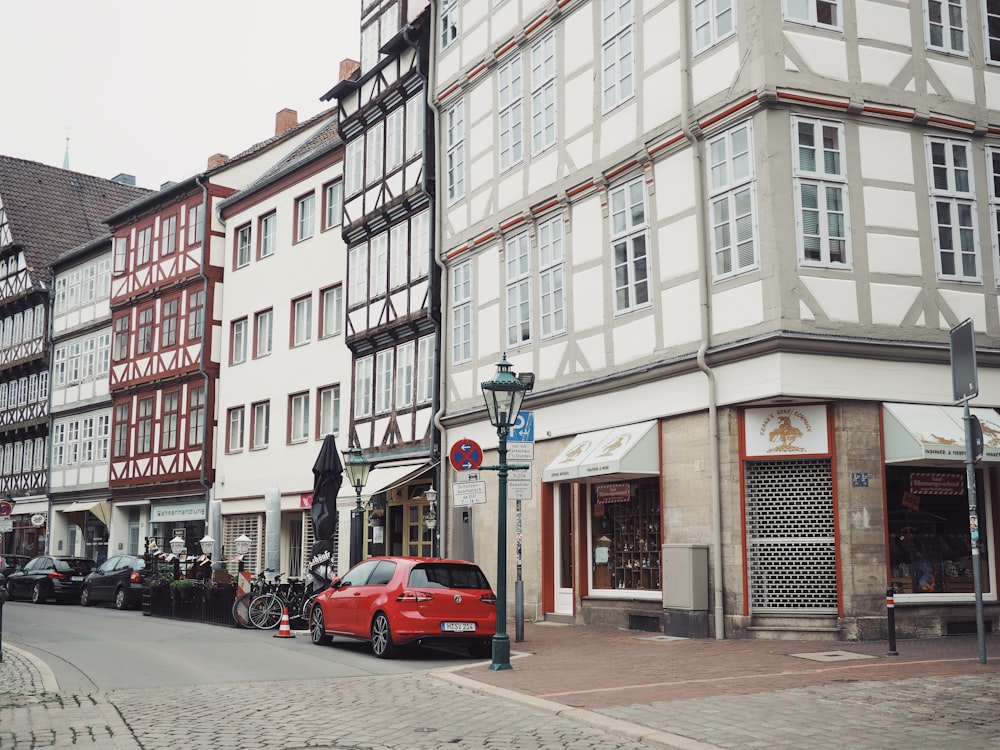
(930, 544)
(625, 535)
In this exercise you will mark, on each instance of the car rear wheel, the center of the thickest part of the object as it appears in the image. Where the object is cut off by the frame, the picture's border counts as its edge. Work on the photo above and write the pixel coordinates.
(382, 644)
(38, 594)
(85, 596)
(120, 601)
(317, 628)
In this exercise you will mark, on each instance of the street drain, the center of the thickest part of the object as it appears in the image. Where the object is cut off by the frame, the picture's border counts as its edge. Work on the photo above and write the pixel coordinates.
(828, 656)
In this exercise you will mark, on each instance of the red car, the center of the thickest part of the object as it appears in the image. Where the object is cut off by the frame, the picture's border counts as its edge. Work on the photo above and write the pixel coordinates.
(399, 601)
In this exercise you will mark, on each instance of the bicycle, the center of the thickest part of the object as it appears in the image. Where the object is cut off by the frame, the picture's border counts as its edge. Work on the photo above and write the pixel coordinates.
(241, 607)
(266, 608)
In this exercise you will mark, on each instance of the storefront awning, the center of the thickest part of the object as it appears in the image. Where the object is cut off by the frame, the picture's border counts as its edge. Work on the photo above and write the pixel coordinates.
(628, 451)
(100, 508)
(385, 478)
(925, 433)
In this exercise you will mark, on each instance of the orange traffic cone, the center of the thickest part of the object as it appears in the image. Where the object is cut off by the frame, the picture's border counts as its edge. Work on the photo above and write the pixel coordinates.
(284, 629)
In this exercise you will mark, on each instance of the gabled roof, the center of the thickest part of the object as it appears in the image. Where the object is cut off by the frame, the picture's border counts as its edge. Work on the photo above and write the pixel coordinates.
(51, 210)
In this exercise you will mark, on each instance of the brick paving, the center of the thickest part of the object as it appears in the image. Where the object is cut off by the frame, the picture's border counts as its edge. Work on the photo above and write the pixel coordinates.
(571, 687)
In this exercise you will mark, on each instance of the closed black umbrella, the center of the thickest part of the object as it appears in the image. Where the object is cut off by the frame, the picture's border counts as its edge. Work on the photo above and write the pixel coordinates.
(328, 475)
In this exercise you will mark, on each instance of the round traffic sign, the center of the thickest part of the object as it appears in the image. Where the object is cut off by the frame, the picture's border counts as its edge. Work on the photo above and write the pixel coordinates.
(6, 508)
(466, 455)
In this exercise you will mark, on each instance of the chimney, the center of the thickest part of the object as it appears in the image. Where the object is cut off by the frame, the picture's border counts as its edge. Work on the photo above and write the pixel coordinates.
(216, 160)
(124, 179)
(285, 119)
(348, 68)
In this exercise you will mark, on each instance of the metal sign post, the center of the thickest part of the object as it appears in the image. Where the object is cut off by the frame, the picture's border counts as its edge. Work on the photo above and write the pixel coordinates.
(965, 386)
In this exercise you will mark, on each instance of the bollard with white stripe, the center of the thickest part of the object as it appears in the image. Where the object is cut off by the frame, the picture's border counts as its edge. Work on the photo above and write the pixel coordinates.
(890, 605)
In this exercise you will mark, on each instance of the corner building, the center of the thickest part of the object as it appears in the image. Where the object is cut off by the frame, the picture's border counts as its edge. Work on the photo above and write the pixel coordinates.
(730, 240)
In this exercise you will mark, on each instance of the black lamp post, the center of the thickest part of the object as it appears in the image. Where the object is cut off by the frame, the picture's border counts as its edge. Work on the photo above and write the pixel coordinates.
(356, 466)
(503, 396)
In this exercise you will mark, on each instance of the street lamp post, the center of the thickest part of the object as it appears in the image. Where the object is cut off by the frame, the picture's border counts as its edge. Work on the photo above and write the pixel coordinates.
(431, 495)
(356, 466)
(503, 396)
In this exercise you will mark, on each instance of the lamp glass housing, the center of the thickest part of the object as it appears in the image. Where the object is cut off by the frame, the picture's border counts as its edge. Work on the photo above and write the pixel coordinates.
(207, 545)
(357, 467)
(242, 544)
(504, 395)
(177, 545)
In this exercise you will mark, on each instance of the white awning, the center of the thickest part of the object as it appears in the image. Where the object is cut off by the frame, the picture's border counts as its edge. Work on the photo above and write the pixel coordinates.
(384, 478)
(100, 508)
(628, 451)
(925, 433)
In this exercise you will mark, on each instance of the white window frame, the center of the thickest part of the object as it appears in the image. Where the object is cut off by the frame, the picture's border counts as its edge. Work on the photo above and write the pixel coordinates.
(617, 53)
(404, 375)
(732, 188)
(398, 255)
(414, 145)
(196, 224)
(380, 265)
(298, 415)
(302, 321)
(630, 250)
(234, 442)
(305, 213)
(991, 28)
(455, 145)
(510, 112)
(354, 166)
(239, 341)
(383, 380)
(394, 140)
(363, 387)
(143, 245)
(268, 234)
(543, 93)
(712, 21)
(357, 274)
(461, 326)
(168, 235)
(333, 311)
(261, 431)
(329, 410)
(952, 37)
(263, 333)
(952, 191)
(820, 167)
(420, 245)
(375, 153)
(334, 204)
(244, 248)
(517, 266)
(449, 20)
(815, 13)
(425, 369)
(993, 174)
(551, 277)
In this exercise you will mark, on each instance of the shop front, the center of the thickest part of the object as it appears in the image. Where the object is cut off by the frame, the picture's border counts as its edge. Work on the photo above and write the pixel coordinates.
(604, 549)
(169, 520)
(85, 529)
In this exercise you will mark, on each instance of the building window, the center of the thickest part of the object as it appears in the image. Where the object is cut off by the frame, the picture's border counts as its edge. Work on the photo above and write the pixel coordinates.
(238, 342)
(143, 243)
(301, 320)
(550, 277)
(144, 442)
(394, 140)
(103, 357)
(243, 240)
(953, 209)
(383, 381)
(731, 197)
(121, 431)
(617, 52)
(268, 234)
(363, 387)
(72, 369)
(196, 315)
(425, 369)
(357, 274)
(946, 26)
(404, 375)
(449, 22)
(123, 326)
(58, 366)
(196, 224)
(543, 93)
(374, 145)
(262, 333)
(58, 447)
(354, 168)
(414, 126)
(399, 252)
(260, 427)
(461, 327)
(196, 415)
(712, 21)
(420, 245)
(455, 141)
(329, 410)
(331, 302)
(121, 254)
(814, 12)
(380, 265)
(993, 171)
(305, 214)
(298, 411)
(144, 335)
(171, 419)
(168, 326)
(993, 31)
(630, 244)
(234, 438)
(510, 111)
(820, 181)
(333, 198)
(168, 235)
(518, 266)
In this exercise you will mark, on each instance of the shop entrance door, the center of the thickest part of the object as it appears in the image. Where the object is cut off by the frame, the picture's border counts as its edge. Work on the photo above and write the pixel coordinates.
(563, 549)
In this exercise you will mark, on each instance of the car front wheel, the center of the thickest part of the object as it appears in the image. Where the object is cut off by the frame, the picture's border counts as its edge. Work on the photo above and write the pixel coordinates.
(85, 596)
(120, 601)
(317, 627)
(37, 594)
(382, 644)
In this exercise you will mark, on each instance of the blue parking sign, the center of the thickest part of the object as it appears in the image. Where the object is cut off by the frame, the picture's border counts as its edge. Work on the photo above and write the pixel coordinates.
(523, 429)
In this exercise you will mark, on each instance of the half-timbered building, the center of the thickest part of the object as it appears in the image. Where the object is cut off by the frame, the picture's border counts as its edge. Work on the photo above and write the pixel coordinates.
(392, 312)
(44, 212)
(731, 240)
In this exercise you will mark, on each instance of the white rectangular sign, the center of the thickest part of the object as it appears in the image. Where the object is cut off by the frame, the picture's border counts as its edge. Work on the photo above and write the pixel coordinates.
(468, 493)
(519, 489)
(6, 523)
(519, 452)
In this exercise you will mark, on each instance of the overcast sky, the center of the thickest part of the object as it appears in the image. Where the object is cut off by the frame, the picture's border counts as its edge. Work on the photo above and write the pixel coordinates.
(152, 88)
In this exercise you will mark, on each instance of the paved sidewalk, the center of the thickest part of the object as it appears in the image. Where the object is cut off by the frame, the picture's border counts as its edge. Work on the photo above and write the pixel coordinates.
(571, 687)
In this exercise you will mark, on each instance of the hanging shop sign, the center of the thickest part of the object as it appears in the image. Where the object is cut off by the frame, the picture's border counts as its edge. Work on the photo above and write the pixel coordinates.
(38, 519)
(786, 431)
(183, 512)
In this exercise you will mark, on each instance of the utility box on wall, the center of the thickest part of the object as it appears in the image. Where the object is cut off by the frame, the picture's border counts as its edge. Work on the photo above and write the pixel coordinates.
(685, 590)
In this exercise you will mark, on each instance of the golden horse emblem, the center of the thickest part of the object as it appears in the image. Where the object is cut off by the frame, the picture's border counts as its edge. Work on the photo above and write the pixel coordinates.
(786, 434)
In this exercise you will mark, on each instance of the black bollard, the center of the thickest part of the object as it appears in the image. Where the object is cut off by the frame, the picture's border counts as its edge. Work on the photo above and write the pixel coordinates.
(3, 598)
(890, 605)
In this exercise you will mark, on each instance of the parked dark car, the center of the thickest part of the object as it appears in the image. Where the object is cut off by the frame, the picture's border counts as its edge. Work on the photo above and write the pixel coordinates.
(48, 577)
(398, 601)
(10, 563)
(118, 579)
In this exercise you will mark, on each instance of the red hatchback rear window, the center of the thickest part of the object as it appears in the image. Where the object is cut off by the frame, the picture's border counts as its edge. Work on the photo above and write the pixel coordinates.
(448, 575)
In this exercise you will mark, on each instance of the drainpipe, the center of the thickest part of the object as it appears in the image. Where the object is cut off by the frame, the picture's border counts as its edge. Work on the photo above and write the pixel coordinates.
(434, 273)
(704, 294)
(204, 338)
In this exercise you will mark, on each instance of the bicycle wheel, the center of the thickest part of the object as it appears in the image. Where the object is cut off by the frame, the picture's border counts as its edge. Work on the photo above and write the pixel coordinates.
(306, 606)
(265, 611)
(241, 611)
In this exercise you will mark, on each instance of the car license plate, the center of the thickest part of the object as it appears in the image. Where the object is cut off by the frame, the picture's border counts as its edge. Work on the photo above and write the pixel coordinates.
(76, 578)
(458, 627)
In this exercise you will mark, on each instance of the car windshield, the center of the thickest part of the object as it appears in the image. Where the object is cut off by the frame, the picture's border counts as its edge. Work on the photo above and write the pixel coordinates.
(64, 565)
(448, 575)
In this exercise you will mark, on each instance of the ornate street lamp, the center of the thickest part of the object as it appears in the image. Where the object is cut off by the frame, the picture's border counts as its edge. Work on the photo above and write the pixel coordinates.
(242, 545)
(207, 545)
(503, 396)
(356, 466)
(177, 545)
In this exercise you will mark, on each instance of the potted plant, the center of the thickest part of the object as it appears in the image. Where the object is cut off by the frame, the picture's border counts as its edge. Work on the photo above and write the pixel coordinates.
(430, 519)
(377, 517)
(182, 588)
